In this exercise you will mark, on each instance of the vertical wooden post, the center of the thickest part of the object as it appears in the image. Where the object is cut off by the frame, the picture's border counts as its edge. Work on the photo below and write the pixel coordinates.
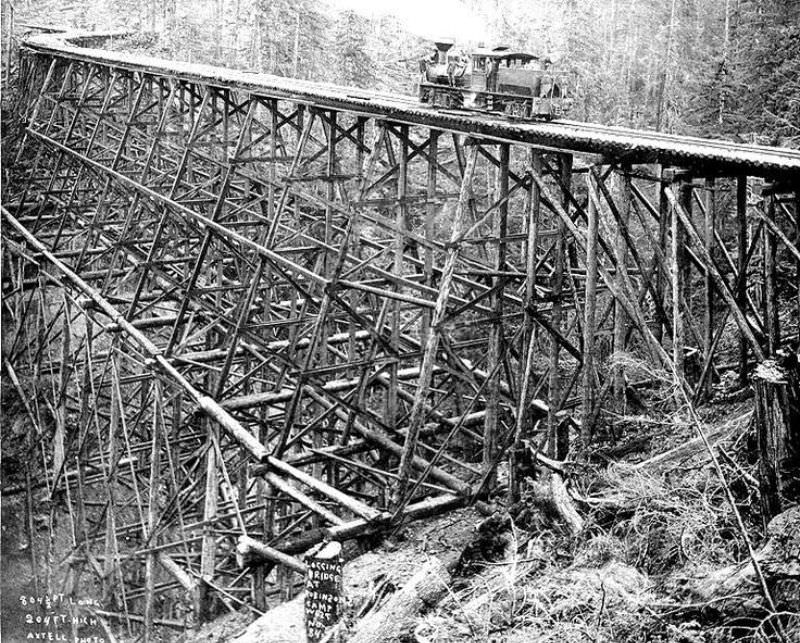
(301, 128)
(330, 194)
(499, 232)
(152, 513)
(183, 111)
(84, 421)
(678, 238)
(272, 106)
(399, 245)
(328, 267)
(797, 243)
(417, 415)
(226, 143)
(265, 518)
(533, 214)
(663, 240)
(770, 302)
(430, 215)
(741, 266)
(621, 321)
(110, 549)
(37, 105)
(589, 326)
(216, 148)
(558, 435)
(208, 552)
(196, 110)
(263, 488)
(352, 349)
(522, 427)
(271, 514)
(59, 450)
(686, 200)
(708, 282)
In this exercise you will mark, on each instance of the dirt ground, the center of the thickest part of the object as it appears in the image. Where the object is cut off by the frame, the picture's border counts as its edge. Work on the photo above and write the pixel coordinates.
(395, 560)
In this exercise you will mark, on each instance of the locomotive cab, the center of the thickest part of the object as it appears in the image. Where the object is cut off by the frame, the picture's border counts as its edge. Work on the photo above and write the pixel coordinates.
(500, 80)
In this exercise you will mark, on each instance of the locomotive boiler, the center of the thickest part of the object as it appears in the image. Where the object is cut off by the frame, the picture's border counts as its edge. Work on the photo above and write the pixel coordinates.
(497, 80)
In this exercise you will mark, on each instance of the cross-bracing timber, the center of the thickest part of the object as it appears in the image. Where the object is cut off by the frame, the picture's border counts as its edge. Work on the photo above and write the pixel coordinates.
(252, 313)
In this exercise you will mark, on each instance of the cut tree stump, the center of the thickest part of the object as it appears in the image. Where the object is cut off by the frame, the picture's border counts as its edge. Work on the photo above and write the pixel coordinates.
(777, 424)
(397, 617)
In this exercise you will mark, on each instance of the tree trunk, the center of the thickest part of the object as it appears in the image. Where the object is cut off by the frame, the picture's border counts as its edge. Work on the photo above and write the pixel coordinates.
(726, 39)
(777, 418)
(296, 45)
(665, 70)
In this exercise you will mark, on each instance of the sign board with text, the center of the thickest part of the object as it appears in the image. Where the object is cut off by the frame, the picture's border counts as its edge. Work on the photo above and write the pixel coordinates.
(324, 589)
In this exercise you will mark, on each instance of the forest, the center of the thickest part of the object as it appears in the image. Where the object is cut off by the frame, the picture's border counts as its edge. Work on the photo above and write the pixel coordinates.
(672, 541)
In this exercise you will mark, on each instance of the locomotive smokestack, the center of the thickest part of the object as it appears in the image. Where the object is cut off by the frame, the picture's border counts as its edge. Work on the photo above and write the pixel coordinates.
(443, 46)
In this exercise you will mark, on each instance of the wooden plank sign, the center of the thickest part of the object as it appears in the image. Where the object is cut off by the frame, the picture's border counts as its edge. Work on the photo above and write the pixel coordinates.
(324, 589)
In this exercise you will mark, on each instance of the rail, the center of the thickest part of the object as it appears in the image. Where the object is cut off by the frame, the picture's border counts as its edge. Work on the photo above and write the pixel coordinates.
(616, 144)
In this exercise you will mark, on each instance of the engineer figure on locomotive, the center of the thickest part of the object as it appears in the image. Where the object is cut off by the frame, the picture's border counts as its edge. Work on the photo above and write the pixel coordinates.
(499, 80)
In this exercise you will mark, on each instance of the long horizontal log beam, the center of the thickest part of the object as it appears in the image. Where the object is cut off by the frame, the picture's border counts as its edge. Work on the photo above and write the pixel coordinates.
(332, 386)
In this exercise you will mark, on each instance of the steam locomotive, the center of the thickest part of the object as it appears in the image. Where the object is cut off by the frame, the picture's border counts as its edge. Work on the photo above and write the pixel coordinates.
(495, 80)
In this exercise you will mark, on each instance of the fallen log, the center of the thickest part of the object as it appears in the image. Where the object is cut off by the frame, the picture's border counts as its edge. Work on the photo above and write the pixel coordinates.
(692, 448)
(189, 583)
(253, 553)
(735, 588)
(250, 552)
(395, 620)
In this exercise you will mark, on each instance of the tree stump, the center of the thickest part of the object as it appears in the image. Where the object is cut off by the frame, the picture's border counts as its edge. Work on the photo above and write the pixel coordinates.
(777, 423)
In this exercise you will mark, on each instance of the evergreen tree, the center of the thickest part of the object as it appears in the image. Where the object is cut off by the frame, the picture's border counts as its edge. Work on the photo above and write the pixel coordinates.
(769, 67)
(708, 67)
(354, 65)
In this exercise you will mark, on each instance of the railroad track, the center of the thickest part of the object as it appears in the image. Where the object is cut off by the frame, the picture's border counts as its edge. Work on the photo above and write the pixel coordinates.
(615, 144)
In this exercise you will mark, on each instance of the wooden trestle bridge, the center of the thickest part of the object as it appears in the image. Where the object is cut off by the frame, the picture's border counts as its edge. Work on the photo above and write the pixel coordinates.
(246, 314)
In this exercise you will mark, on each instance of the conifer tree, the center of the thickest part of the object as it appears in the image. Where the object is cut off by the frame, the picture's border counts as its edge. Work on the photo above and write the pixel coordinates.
(354, 65)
